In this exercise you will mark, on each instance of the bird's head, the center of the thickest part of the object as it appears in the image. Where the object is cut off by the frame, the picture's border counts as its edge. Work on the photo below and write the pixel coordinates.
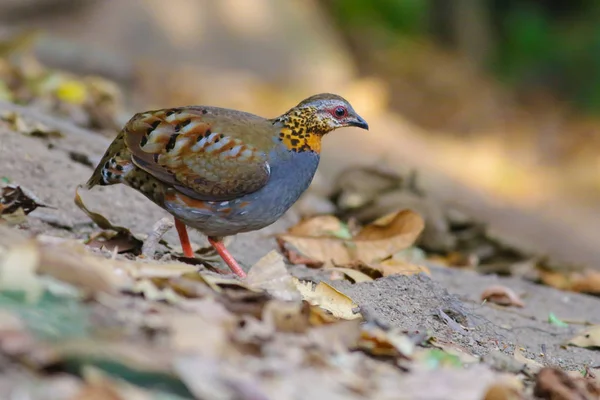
(323, 113)
(302, 127)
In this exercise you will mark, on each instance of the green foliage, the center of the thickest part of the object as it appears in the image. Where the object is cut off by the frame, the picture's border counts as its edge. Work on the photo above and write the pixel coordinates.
(401, 17)
(561, 54)
(536, 44)
(51, 317)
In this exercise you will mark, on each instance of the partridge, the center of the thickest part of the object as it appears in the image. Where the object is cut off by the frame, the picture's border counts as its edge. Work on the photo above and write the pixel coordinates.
(223, 171)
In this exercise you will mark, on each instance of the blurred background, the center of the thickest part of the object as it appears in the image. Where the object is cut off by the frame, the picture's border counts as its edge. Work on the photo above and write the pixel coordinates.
(495, 103)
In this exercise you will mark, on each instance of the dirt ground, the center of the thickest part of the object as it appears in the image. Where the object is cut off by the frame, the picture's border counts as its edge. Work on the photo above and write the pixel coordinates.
(411, 303)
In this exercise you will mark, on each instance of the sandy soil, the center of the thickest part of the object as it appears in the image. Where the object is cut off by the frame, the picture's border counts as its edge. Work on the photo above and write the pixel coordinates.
(412, 303)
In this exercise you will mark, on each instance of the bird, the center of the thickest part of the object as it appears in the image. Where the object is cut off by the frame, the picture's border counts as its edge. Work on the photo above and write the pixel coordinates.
(223, 171)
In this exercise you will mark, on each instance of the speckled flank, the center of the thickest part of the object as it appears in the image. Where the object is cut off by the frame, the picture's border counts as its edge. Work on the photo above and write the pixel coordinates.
(302, 130)
(195, 154)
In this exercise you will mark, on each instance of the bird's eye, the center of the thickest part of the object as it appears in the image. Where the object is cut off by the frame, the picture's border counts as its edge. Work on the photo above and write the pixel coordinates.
(340, 112)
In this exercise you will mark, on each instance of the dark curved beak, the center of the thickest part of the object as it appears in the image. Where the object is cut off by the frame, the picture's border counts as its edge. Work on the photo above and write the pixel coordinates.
(360, 123)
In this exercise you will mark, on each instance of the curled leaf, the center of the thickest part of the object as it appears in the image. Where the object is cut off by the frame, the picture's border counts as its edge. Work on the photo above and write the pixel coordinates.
(13, 197)
(589, 338)
(532, 365)
(122, 238)
(392, 343)
(328, 298)
(501, 295)
(375, 242)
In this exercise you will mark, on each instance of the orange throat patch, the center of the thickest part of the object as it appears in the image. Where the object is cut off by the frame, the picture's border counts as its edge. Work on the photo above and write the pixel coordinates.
(302, 130)
(300, 141)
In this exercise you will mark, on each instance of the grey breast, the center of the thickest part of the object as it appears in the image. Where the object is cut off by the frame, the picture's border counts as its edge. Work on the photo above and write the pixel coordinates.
(291, 175)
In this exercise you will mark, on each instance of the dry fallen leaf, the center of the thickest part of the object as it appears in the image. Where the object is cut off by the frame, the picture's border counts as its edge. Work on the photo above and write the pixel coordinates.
(587, 281)
(121, 237)
(390, 343)
(502, 295)
(389, 267)
(270, 274)
(210, 320)
(554, 384)
(532, 365)
(589, 338)
(351, 274)
(13, 197)
(321, 226)
(373, 243)
(122, 242)
(328, 298)
(508, 387)
(17, 123)
(287, 316)
(151, 292)
(72, 263)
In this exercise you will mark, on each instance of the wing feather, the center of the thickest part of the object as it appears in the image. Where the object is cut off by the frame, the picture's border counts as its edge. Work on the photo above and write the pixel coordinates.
(180, 148)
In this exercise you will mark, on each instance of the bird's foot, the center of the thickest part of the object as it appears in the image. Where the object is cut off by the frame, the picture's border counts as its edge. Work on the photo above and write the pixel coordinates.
(227, 257)
(216, 243)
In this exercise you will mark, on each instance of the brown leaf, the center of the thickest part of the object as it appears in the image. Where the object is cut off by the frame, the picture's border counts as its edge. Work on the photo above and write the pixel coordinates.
(319, 226)
(121, 238)
(388, 267)
(375, 242)
(587, 281)
(508, 387)
(72, 263)
(379, 342)
(398, 267)
(554, 384)
(13, 198)
(501, 295)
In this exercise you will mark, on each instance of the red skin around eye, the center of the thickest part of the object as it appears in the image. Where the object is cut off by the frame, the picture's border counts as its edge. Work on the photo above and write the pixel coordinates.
(332, 112)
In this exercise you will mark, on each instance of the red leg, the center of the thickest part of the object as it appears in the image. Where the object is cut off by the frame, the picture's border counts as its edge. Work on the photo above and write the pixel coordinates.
(184, 239)
(227, 257)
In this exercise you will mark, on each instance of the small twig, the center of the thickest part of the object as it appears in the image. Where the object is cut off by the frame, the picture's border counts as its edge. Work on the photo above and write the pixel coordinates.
(158, 230)
(451, 323)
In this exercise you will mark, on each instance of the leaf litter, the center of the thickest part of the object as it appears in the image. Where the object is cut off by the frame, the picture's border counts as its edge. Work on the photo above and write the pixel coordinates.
(142, 332)
(146, 329)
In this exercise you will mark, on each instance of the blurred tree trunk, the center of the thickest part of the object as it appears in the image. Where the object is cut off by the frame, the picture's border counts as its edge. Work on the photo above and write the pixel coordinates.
(464, 26)
(472, 29)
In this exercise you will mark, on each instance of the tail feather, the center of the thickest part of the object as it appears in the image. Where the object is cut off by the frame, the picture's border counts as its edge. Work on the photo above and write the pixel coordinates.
(103, 173)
